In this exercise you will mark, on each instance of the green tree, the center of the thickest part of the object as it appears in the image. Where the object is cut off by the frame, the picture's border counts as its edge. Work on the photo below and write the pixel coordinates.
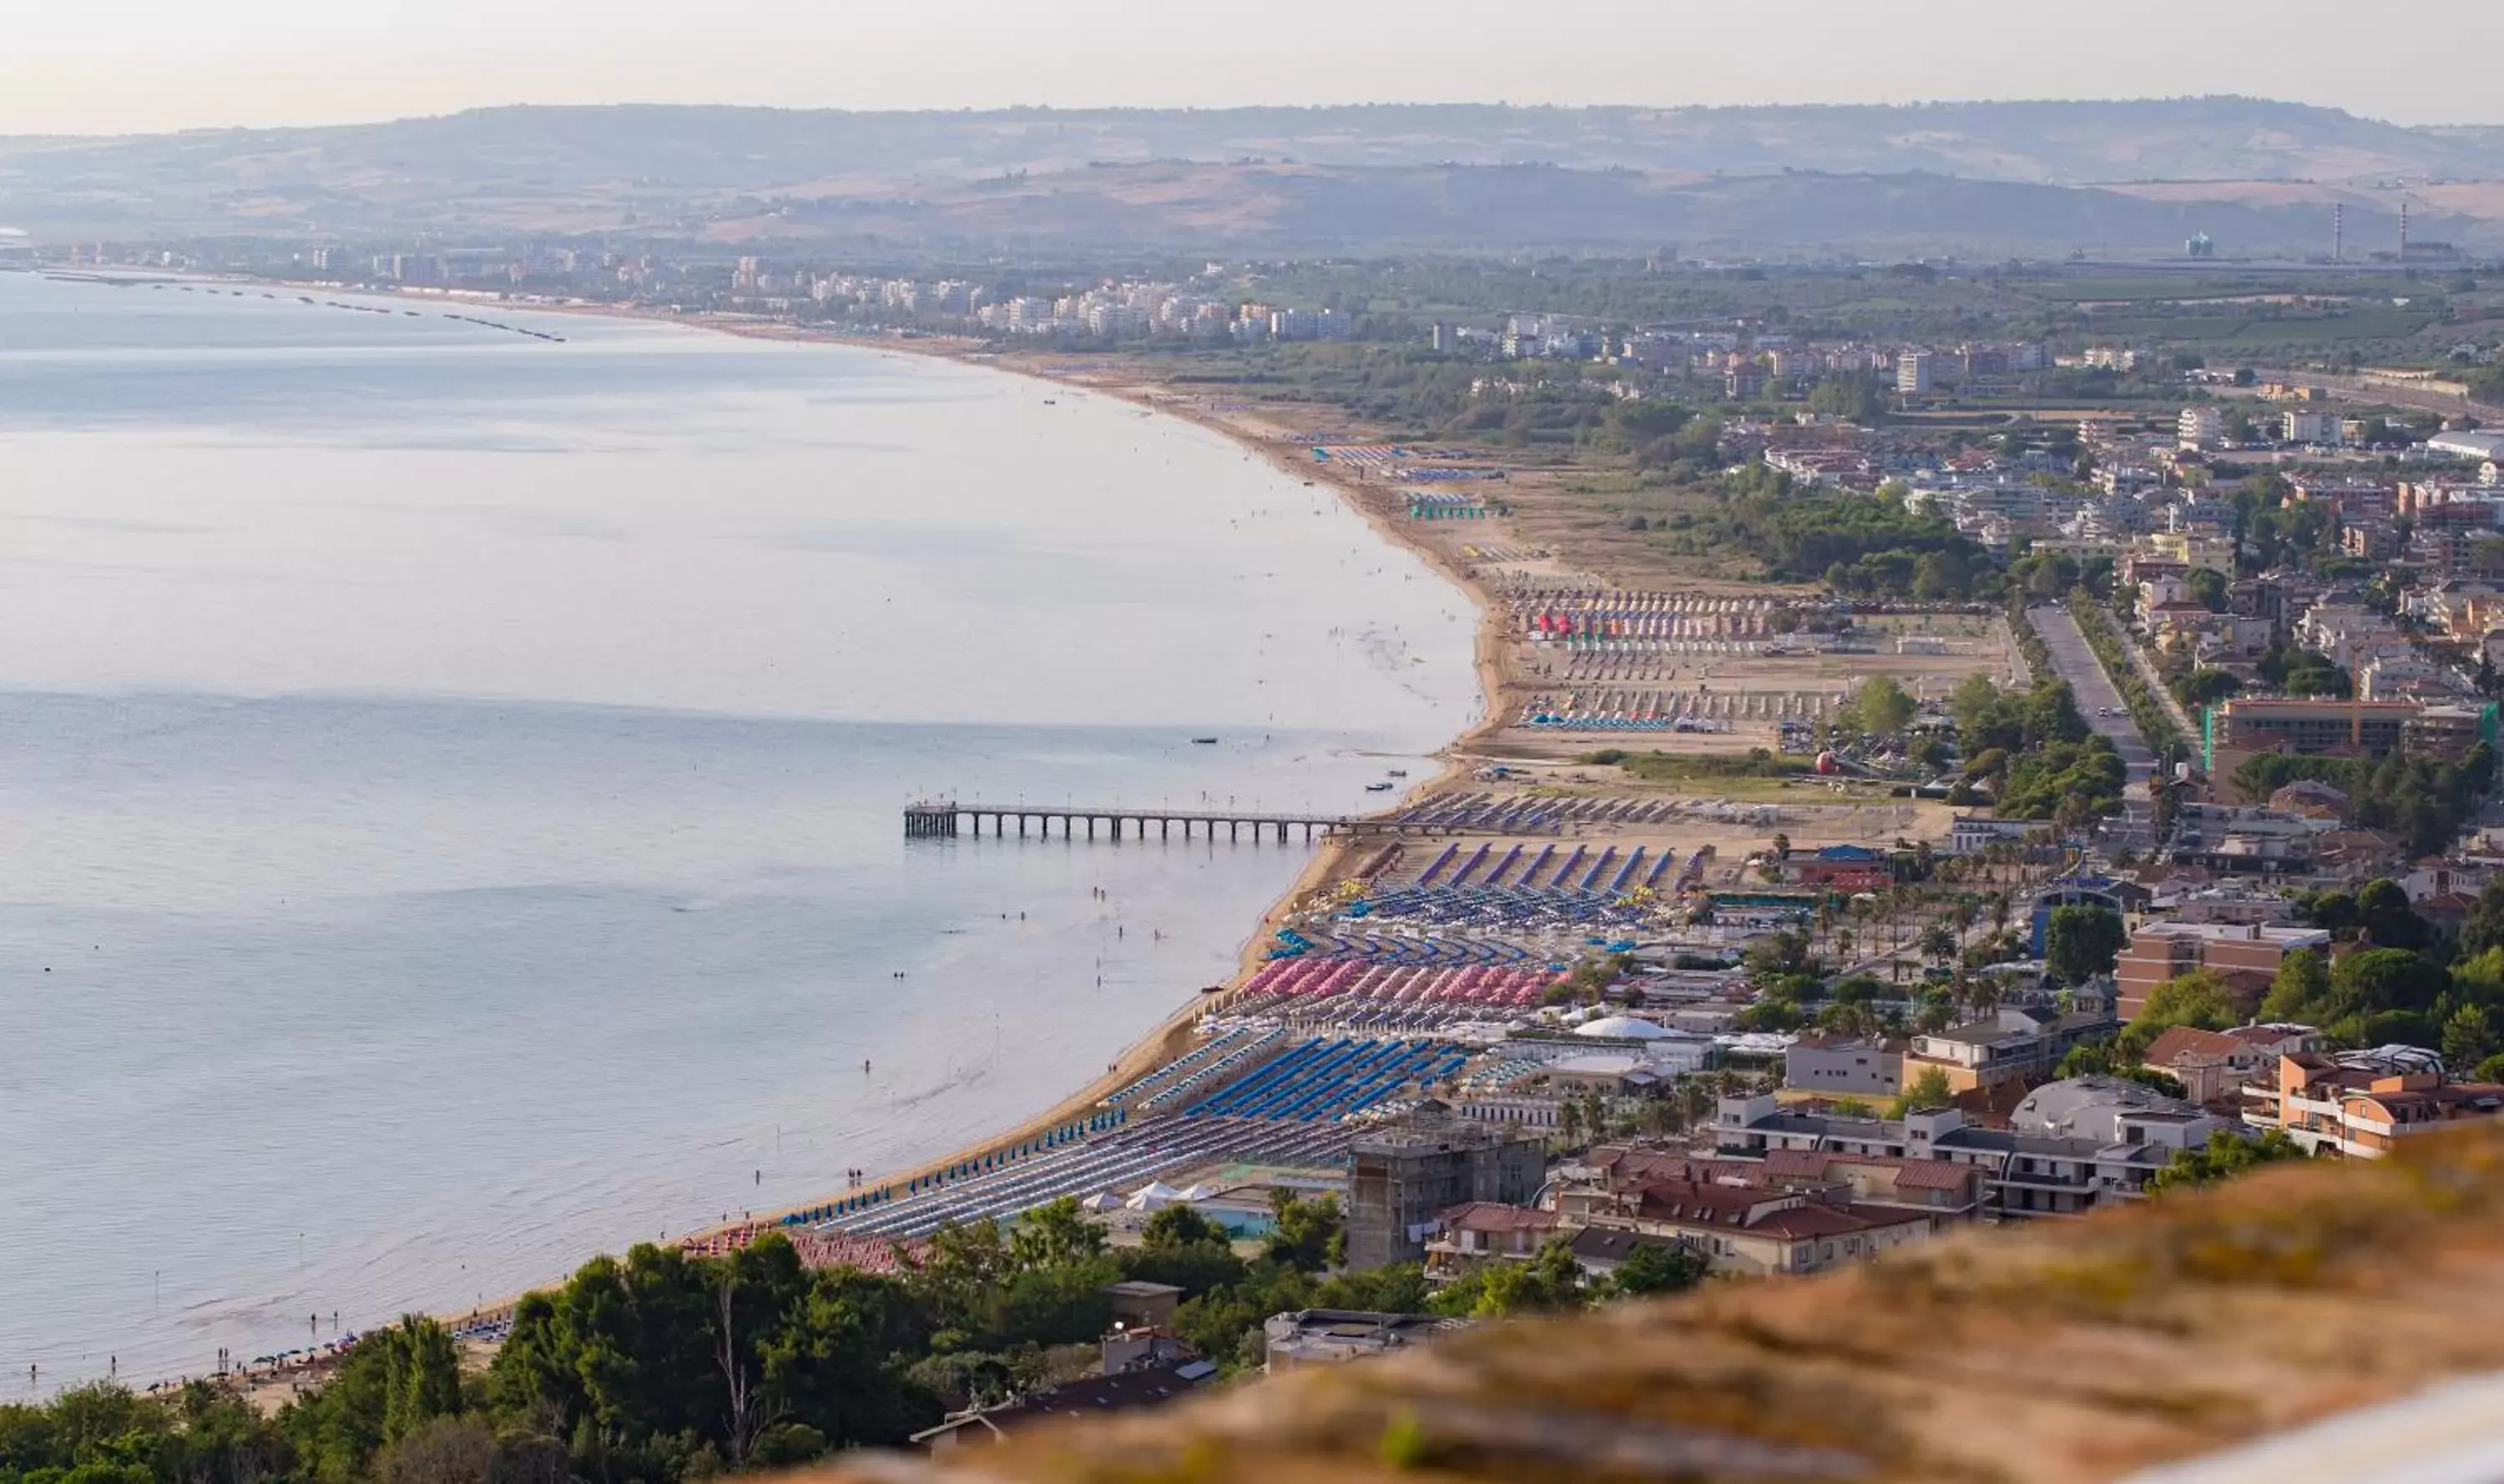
(2200, 998)
(2299, 991)
(1181, 1226)
(1309, 1234)
(2224, 1157)
(1658, 1268)
(2484, 928)
(2468, 1037)
(1547, 1283)
(2084, 939)
(1929, 1089)
(1057, 1234)
(1880, 707)
(2384, 911)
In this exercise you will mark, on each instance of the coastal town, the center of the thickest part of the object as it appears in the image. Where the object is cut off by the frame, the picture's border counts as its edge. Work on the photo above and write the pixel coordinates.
(2101, 809)
(1929, 787)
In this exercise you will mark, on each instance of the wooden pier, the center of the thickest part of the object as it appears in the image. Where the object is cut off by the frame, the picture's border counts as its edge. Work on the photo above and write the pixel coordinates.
(943, 820)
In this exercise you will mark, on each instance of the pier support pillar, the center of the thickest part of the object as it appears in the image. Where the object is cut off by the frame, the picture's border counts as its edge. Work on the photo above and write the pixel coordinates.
(1166, 830)
(1090, 826)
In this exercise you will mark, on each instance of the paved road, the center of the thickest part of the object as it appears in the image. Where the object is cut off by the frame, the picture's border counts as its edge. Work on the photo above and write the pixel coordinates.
(2072, 660)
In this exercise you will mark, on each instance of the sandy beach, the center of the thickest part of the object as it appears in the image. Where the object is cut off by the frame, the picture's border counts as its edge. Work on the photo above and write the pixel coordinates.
(1332, 858)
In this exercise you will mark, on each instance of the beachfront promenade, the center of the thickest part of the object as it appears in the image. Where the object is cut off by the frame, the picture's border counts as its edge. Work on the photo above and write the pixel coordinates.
(943, 820)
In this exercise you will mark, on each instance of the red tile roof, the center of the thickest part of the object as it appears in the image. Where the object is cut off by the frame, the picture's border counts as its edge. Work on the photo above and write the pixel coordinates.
(1910, 1174)
(2180, 1041)
(1822, 1221)
(1492, 1217)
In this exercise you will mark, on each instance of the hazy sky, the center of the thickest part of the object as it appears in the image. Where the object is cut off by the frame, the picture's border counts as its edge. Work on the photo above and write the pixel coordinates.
(155, 64)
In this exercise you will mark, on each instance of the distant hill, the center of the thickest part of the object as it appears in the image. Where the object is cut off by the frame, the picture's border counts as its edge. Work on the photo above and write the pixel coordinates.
(1184, 207)
(1448, 174)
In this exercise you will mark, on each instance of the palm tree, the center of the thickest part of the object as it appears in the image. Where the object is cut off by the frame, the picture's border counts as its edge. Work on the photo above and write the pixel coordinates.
(1964, 914)
(1982, 994)
(1939, 944)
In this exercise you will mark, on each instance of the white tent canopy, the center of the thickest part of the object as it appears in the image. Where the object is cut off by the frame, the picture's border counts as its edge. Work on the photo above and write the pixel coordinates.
(1155, 1195)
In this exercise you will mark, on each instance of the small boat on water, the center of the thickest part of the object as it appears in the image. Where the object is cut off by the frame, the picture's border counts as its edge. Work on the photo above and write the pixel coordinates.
(1395, 773)
(1383, 787)
(1203, 741)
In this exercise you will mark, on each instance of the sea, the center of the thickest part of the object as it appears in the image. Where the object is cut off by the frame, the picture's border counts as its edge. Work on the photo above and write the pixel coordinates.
(451, 782)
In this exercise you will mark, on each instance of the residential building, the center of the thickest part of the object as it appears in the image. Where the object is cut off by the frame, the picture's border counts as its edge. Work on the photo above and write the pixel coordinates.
(1336, 1336)
(2362, 1103)
(1404, 1175)
(2311, 799)
(1915, 371)
(2246, 955)
(2320, 725)
(1942, 1186)
(2072, 1146)
(2202, 427)
(2009, 1045)
(2448, 731)
(2308, 426)
(2352, 497)
(1762, 1228)
(1599, 1251)
(1486, 1230)
(2214, 1066)
(1294, 324)
(2248, 841)
(1843, 1067)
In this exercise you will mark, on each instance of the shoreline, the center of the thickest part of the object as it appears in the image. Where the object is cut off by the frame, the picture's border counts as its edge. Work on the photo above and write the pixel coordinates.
(1170, 1037)
(1163, 1042)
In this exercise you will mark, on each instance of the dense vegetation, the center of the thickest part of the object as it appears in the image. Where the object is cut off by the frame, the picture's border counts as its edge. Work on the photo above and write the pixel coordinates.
(2034, 753)
(1861, 545)
(1683, 767)
(2401, 983)
(660, 1366)
(2425, 802)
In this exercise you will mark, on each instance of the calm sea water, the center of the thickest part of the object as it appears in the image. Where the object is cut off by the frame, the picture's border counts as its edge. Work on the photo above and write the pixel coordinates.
(451, 784)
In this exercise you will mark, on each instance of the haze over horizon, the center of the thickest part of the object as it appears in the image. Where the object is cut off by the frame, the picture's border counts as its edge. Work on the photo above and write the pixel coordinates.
(156, 65)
